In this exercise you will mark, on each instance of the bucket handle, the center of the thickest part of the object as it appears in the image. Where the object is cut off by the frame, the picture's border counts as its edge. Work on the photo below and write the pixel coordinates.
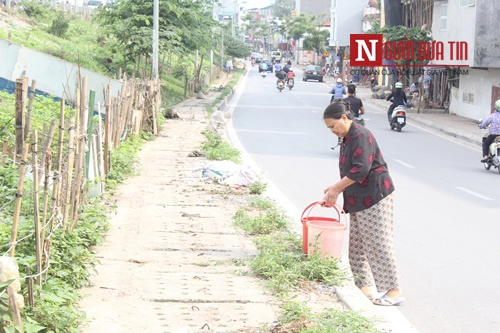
(337, 208)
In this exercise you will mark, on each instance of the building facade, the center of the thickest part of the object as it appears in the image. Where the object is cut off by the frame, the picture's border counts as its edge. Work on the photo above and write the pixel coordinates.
(477, 24)
(346, 19)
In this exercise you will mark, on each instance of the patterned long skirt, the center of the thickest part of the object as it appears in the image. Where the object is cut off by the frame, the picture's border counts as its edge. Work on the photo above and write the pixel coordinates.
(371, 249)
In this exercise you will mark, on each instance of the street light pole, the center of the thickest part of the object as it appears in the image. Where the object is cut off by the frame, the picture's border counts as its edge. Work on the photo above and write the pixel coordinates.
(222, 50)
(156, 9)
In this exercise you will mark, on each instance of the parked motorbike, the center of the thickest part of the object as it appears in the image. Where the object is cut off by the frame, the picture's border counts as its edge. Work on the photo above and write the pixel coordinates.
(263, 74)
(494, 153)
(281, 85)
(291, 83)
(398, 118)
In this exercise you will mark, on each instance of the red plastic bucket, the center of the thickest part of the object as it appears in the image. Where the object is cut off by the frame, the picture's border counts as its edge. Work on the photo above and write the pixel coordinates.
(327, 231)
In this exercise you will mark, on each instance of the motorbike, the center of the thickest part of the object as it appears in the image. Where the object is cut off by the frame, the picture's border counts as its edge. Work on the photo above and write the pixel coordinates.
(291, 83)
(373, 83)
(359, 120)
(494, 153)
(398, 118)
(281, 85)
(264, 74)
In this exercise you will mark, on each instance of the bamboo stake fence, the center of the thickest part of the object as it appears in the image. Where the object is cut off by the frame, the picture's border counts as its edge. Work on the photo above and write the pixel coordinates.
(64, 167)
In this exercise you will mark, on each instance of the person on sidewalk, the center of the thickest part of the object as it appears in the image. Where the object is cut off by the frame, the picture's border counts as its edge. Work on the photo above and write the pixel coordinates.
(398, 97)
(229, 66)
(494, 122)
(367, 189)
(338, 90)
(355, 104)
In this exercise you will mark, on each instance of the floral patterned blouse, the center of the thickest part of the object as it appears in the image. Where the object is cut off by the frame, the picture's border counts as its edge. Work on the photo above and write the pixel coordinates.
(361, 160)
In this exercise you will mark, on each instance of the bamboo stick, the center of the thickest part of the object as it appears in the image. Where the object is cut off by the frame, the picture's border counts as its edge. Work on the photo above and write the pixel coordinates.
(57, 182)
(19, 197)
(36, 209)
(80, 155)
(29, 116)
(90, 128)
(107, 132)
(75, 192)
(21, 91)
(14, 309)
(101, 173)
(47, 167)
(69, 172)
(95, 158)
(48, 142)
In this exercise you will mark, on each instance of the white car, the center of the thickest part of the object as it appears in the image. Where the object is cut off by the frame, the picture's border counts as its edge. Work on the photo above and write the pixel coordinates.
(93, 4)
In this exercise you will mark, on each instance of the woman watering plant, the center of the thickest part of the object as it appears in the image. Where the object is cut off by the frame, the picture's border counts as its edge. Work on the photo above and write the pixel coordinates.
(367, 190)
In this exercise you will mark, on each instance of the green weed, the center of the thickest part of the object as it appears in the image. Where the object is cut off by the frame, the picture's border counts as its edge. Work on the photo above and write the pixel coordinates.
(215, 148)
(335, 321)
(257, 187)
(294, 311)
(282, 263)
(269, 222)
(260, 203)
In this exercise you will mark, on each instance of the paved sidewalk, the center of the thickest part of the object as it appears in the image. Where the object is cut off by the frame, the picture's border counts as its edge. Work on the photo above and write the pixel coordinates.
(169, 263)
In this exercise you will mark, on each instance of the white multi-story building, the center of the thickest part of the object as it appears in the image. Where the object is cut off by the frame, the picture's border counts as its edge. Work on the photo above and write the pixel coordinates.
(476, 23)
(346, 19)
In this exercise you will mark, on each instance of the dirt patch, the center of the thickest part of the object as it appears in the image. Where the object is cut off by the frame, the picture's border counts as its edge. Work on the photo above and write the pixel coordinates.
(12, 21)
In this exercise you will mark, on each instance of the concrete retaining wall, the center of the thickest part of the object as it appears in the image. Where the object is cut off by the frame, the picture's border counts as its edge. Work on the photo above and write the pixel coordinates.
(53, 76)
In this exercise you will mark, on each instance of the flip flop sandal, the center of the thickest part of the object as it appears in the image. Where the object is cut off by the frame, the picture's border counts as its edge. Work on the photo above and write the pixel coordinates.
(387, 301)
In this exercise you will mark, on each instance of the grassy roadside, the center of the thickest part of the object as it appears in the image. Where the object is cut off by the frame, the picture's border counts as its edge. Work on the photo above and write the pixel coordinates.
(280, 261)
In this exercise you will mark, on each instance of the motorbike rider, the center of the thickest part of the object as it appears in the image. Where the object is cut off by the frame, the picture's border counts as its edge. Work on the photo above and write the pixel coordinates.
(286, 69)
(263, 67)
(494, 122)
(338, 90)
(277, 67)
(355, 104)
(398, 97)
(281, 76)
(290, 74)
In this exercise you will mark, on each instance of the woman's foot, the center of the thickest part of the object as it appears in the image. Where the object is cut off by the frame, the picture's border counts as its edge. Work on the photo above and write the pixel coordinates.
(392, 297)
(369, 291)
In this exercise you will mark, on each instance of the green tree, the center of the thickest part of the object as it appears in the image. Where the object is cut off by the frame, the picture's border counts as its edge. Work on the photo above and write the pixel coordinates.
(283, 8)
(299, 26)
(184, 25)
(316, 40)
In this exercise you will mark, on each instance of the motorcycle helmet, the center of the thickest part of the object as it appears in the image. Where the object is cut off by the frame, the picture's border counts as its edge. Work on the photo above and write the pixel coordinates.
(398, 85)
(497, 105)
(339, 80)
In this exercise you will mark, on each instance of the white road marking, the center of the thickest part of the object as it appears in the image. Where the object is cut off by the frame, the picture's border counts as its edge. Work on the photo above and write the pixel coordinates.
(474, 193)
(270, 132)
(405, 164)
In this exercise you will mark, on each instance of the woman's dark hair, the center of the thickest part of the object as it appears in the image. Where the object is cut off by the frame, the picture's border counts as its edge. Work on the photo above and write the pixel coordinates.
(337, 108)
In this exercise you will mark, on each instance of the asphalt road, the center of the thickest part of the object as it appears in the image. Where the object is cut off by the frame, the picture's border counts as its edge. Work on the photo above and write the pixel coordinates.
(447, 208)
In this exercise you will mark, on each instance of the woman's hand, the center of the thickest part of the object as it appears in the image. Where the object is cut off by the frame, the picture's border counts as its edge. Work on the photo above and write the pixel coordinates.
(331, 195)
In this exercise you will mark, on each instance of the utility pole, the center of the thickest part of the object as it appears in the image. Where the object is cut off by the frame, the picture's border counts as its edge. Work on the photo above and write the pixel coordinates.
(222, 50)
(156, 10)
